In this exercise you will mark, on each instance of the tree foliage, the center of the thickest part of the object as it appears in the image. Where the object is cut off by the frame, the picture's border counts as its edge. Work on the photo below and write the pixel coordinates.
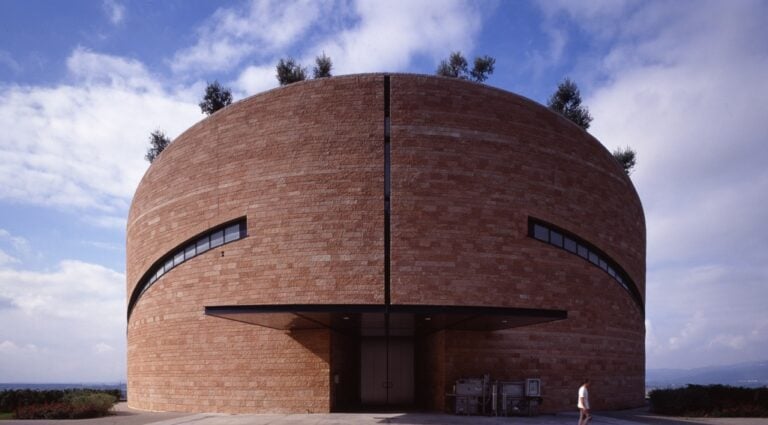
(567, 101)
(456, 66)
(216, 97)
(289, 72)
(158, 141)
(322, 67)
(483, 68)
(627, 158)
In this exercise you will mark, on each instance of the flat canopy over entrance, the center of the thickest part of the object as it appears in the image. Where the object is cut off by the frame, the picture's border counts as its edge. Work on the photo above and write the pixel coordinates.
(394, 320)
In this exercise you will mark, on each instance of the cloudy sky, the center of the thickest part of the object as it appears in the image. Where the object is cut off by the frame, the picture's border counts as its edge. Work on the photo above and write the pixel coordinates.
(82, 84)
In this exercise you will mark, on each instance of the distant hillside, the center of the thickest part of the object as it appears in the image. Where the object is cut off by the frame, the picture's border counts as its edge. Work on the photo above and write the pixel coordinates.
(754, 374)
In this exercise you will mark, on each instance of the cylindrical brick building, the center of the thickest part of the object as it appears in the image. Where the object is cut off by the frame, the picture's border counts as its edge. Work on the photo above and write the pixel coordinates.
(372, 239)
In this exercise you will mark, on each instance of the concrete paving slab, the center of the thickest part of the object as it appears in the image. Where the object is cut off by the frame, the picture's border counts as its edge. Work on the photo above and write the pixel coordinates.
(127, 416)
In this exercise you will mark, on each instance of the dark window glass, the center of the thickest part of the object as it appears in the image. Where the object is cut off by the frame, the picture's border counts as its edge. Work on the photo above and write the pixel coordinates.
(232, 233)
(556, 238)
(573, 245)
(203, 244)
(217, 238)
(603, 265)
(570, 244)
(189, 252)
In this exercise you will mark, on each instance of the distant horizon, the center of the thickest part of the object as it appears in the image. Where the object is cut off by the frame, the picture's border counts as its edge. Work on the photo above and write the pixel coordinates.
(85, 83)
(66, 383)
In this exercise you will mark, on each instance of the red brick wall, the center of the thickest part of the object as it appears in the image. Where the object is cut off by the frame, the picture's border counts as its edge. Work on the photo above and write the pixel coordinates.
(305, 164)
(470, 164)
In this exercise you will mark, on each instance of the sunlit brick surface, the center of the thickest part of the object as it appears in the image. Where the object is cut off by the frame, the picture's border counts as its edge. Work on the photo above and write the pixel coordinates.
(305, 165)
(470, 163)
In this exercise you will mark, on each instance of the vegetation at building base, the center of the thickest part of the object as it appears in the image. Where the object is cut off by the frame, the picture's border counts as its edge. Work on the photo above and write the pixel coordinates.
(57, 404)
(711, 400)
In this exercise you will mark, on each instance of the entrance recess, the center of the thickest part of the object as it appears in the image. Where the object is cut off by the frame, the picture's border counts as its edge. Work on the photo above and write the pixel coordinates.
(374, 349)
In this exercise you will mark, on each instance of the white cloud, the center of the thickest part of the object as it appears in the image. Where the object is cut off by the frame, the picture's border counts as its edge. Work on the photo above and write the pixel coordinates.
(103, 348)
(11, 347)
(74, 289)
(9, 62)
(67, 322)
(387, 35)
(558, 40)
(82, 146)
(379, 36)
(263, 27)
(705, 315)
(107, 246)
(114, 10)
(108, 221)
(7, 346)
(17, 244)
(6, 259)
(256, 79)
(590, 14)
(692, 118)
(684, 87)
(91, 68)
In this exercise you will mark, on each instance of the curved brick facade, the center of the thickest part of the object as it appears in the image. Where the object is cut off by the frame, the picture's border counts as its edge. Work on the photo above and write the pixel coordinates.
(305, 166)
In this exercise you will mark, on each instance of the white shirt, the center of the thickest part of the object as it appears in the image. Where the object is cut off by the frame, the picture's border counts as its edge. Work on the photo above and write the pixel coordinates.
(583, 395)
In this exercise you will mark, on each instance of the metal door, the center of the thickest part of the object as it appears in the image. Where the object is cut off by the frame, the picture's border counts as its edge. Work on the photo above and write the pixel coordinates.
(386, 371)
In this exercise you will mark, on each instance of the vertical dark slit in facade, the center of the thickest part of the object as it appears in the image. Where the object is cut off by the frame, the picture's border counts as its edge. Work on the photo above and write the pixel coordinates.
(387, 193)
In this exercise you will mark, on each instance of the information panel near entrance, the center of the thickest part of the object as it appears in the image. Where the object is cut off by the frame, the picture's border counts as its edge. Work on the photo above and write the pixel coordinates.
(386, 382)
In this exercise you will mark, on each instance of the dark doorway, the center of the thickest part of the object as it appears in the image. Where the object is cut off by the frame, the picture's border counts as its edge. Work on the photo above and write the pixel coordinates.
(386, 371)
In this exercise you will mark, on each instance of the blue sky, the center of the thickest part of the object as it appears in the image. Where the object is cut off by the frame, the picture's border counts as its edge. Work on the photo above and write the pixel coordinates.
(83, 83)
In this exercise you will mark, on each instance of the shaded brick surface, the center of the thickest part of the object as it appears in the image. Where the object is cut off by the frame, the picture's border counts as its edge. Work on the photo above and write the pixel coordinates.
(470, 164)
(305, 165)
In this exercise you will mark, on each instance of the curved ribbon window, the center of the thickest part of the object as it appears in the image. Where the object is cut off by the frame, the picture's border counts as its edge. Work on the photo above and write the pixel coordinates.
(553, 235)
(210, 239)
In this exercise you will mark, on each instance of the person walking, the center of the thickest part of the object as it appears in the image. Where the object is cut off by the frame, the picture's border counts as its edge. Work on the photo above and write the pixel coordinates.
(583, 404)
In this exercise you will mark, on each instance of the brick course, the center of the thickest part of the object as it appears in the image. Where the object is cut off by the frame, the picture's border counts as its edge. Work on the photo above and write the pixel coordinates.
(305, 165)
(470, 164)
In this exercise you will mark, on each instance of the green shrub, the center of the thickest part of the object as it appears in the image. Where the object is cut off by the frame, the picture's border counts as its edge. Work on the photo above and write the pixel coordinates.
(44, 411)
(711, 400)
(56, 404)
(90, 405)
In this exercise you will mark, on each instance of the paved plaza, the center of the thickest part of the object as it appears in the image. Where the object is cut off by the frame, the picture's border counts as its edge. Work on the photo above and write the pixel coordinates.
(127, 416)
